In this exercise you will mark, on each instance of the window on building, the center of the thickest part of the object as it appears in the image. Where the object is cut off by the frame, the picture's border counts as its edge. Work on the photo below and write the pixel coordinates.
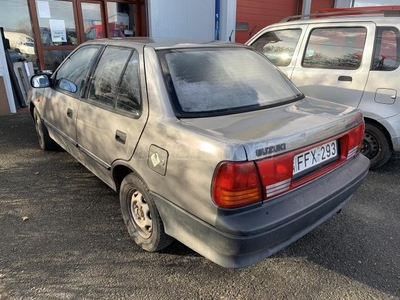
(92, 21)
(386, 53)
(56, 23)
(278, 45)
(335, 48)
(121, 19)
(16, 21)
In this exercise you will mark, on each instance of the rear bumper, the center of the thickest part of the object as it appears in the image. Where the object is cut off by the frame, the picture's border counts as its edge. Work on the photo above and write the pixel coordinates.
(244, 237)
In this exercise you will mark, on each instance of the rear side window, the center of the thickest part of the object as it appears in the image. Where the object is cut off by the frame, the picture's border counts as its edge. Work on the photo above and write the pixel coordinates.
(104, 85)
(386, 54)
(278, 45)
(129, 99)
(115, 83)
(335, 48)
(206, 82)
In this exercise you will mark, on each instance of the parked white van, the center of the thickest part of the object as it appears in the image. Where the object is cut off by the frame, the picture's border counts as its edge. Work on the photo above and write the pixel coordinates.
(21, 41)
(348, 56)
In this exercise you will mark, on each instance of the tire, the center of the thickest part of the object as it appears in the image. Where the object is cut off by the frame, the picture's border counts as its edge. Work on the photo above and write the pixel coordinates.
(45, 141)
(141, 216)
(376, 146)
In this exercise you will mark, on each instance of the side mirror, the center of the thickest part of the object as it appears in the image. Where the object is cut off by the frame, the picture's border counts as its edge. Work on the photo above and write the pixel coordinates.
(40, 81)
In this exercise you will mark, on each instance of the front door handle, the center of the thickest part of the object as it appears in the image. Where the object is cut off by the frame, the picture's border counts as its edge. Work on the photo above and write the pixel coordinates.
(69, 113)
(345, 78)
(120, 137)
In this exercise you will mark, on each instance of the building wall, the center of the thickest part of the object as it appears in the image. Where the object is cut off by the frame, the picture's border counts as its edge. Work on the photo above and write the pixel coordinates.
(227, 20)
(182, 19)
(321, 4)
(260, 13)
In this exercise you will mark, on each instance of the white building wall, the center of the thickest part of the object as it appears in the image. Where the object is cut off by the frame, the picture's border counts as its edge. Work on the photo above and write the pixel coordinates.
(182, 18)
(227, 20)
(344, 3)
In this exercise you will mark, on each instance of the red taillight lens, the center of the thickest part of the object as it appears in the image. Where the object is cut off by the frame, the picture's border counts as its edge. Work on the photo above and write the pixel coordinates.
(276, 174)
(355, 136)
(236, 184)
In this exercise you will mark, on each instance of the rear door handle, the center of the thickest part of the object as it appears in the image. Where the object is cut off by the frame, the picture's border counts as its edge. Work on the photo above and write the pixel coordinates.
(345, 78)
(120, 137)
(69, 113)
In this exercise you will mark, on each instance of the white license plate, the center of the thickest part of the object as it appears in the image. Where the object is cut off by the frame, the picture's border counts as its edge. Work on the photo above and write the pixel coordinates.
(314, 157)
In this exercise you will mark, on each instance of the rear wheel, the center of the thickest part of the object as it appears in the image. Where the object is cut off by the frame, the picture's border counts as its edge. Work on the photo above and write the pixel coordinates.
(376, 146)
(141, 216)
(45, 141)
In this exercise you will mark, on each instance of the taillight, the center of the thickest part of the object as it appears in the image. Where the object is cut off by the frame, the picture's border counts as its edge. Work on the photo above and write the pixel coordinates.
(276, 174)
(236, 184)
(355, 140)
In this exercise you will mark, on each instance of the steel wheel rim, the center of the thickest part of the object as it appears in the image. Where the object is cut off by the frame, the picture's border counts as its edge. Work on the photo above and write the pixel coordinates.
(370, 147)
(140, 213)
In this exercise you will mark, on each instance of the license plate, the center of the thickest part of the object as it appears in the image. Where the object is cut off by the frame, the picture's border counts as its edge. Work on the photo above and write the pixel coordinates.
(314, 157)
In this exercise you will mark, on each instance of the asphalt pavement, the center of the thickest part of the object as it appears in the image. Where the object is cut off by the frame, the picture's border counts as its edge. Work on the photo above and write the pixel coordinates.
(62, 237)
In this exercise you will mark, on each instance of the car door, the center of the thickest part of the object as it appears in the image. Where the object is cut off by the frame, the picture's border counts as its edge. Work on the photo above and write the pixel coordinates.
(61, 102)
(280, 45)
(335, 60)
(112, 117)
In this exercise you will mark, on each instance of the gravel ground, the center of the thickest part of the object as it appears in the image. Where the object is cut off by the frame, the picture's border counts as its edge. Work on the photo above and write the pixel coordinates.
(62, 237)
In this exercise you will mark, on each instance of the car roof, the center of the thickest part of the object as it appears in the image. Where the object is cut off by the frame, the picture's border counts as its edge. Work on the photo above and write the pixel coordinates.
(378, 14)
(159, 43)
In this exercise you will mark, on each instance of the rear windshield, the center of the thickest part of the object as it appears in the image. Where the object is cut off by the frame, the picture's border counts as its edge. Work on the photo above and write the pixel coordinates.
(205, 82)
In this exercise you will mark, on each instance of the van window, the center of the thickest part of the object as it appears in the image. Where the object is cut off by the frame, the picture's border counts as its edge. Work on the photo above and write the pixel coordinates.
(386, 53)
(278, 45)
(335, 48)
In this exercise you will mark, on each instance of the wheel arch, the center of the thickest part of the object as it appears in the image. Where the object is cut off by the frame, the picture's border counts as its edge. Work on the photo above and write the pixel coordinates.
(31, 108)
(382, 128)
(119, 171)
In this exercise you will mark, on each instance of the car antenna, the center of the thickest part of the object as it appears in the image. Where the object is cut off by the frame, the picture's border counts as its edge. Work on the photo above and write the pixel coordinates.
(251, 32)
(230, 36)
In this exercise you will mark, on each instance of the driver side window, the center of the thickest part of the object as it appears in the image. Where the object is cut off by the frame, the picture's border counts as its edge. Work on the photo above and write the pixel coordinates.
(72, 74)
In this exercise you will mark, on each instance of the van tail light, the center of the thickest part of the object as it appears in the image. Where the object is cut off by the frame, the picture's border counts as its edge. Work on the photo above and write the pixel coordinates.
(236, 184)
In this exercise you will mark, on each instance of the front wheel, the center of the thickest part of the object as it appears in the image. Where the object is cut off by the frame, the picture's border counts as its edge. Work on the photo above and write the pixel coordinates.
(376, 146)
(141, 216)
(45, 141)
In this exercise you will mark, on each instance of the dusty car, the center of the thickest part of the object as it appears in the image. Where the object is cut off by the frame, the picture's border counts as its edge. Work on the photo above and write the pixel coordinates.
(207, 143)
(348, 56)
